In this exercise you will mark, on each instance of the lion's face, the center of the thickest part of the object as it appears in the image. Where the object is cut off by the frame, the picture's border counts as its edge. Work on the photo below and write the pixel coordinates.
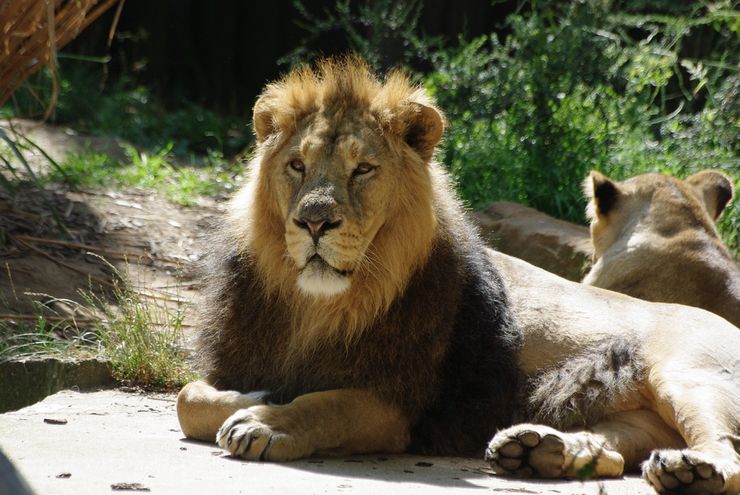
(335, 182)
(342, 195)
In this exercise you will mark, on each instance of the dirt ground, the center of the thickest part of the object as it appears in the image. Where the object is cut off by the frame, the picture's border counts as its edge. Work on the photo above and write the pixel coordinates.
(152, 240)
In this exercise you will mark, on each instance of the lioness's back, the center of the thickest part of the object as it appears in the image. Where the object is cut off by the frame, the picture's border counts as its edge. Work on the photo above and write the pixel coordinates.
(654, 238)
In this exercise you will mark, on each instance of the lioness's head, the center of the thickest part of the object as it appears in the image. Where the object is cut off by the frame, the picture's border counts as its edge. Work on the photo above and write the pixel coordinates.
(339, 198)
(653, 205)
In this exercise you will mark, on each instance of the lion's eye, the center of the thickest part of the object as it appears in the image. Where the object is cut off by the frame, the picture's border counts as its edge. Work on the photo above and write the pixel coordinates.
(363, 168)
(297, 166)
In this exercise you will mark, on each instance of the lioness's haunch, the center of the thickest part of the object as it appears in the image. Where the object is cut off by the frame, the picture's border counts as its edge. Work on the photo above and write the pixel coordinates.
(654, 238)
(351, 308)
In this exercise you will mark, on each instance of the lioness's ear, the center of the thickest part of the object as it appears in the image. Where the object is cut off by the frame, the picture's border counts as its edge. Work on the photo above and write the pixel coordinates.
(602, 192)
(714, 188)
(424, 128)
(262, 119)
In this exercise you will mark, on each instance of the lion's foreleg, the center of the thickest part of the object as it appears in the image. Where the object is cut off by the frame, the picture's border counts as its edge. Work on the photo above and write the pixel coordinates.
(705, 407)
(345, 421)
(201, 409)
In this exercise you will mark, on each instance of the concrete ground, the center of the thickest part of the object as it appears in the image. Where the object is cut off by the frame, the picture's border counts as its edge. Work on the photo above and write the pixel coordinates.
(112, 441)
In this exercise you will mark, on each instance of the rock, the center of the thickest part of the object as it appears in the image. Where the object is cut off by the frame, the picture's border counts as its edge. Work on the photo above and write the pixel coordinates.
(25, 381)
(557, 246)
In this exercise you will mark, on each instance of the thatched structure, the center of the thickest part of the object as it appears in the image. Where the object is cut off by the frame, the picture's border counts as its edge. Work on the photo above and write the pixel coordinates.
(31, 32)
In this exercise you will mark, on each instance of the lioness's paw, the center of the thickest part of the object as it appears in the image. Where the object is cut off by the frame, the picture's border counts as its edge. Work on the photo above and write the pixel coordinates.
(256, 434)
(682, 472)
(527, 451)
(536, 450)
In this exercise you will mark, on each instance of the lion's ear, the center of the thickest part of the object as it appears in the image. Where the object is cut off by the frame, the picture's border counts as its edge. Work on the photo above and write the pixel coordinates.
(602, 192)
(419, 125)
(714, 188)
(262, 119)
(424, 130)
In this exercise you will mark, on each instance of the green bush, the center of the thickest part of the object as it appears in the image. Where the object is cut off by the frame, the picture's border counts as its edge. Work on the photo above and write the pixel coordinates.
(580, 88)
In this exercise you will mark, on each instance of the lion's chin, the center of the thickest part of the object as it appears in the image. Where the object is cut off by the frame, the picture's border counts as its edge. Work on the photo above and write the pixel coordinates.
(318, 279)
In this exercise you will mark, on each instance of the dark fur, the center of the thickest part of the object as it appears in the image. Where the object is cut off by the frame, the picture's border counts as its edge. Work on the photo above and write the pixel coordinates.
(606, 195)
(582, 390)
(445, 352)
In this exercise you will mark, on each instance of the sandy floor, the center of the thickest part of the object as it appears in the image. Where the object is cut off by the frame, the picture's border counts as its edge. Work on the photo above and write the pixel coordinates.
(108, 441)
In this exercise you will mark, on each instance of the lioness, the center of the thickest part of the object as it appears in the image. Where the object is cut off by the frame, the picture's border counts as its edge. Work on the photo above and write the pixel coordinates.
(654, 238)
(353, 309)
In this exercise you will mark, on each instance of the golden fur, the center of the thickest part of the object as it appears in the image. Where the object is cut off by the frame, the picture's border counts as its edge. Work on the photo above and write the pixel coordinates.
(381, 268)
(351, 290)
(654, 238)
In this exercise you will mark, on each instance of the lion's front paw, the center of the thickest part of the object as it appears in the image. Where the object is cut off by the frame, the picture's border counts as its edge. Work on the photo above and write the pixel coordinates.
(682, 472)
(259, 433)
(527, 451)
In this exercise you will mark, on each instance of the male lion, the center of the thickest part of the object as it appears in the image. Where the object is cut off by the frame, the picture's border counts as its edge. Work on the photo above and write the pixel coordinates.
(353, 309)
(654, 238)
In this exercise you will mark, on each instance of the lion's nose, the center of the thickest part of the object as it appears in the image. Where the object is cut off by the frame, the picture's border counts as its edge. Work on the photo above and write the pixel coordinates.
(316, 227)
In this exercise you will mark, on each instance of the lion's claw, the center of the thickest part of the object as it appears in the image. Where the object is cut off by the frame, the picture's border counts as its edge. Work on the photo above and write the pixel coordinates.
(247, 434)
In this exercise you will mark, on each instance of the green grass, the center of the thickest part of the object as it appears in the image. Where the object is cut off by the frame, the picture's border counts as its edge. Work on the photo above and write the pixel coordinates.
(45, 336)
(139, 336)
(157, 171)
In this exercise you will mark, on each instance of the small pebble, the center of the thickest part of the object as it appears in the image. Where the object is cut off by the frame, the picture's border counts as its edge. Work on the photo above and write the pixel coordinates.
(131, 487)
(52, 421)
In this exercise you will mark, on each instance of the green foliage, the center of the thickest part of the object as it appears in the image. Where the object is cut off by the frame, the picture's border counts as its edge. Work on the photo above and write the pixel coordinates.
(579, 87)
(160, 170)
(384, 32)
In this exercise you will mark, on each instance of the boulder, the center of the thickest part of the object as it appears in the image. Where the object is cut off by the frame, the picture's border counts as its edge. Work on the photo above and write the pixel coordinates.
(557, 246)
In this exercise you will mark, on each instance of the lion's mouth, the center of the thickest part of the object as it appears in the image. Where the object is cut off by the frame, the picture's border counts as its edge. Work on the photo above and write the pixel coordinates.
(318, 260)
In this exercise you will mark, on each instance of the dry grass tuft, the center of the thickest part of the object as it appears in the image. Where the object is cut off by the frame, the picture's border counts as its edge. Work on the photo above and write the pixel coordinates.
(31, 32)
